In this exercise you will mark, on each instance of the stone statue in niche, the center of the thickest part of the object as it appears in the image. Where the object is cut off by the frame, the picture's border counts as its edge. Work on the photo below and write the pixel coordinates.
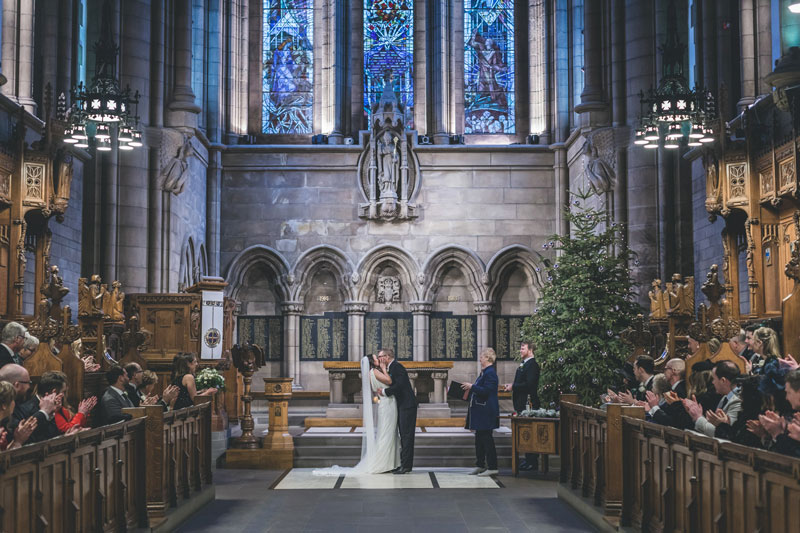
(91, 296)
(388, 289)
(388, 167)
(599, 173)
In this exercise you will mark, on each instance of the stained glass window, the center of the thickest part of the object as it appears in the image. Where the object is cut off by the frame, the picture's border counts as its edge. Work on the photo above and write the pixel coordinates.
(489, 100)
(287, 86)
(389, 46)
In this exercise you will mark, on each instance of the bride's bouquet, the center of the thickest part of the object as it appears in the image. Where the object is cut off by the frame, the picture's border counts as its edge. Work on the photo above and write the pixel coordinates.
(208, 378)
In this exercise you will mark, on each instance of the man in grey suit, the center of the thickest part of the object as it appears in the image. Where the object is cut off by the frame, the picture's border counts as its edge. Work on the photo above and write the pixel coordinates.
(115, 398)
(723, 377)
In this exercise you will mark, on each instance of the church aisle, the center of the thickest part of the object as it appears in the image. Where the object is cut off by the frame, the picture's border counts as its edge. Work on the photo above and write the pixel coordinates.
(245, 502)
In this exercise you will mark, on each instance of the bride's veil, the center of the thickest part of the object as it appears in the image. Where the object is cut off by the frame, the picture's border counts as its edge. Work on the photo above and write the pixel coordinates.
(368, 439)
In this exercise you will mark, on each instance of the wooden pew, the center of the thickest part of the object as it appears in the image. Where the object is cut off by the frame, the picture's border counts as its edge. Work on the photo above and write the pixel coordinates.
(637, 475)
(111, 478)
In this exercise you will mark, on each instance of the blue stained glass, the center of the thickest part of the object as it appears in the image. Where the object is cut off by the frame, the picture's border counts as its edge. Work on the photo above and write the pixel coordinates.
(489, 99)
(389, 45)
(288, 60)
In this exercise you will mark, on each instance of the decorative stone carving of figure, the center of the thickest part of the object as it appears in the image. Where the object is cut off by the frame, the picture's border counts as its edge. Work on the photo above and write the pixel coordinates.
(600, 174)
(388, 289)
(176, 173)
(84, 304)
(116, 301)
(55, 291)
(657, 308)
(687, 297)
(389, 165)
(97, 293)
(675, 294)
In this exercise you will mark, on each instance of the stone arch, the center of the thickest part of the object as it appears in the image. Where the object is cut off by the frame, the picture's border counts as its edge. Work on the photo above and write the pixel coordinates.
(503, 264)
(367, 271)
(202, 261)
(321, 257)
(259, 255)
(453, 256)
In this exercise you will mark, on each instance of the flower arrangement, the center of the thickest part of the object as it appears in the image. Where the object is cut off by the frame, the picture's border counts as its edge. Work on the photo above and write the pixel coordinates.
(208, 377)
(540, 413)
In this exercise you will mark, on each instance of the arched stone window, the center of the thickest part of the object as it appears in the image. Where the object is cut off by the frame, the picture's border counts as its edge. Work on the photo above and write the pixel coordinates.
(489, 67)
(389, 47)
(287, 67)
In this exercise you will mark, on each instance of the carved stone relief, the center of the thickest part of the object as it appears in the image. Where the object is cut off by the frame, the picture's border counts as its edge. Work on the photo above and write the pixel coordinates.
(176, 152)
(388, 290)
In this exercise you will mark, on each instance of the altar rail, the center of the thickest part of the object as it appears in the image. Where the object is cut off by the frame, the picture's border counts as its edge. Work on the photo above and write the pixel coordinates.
(670, 479)
(109, 478)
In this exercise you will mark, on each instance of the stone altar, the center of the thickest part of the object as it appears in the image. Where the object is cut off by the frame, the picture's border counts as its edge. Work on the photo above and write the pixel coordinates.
(428, 378)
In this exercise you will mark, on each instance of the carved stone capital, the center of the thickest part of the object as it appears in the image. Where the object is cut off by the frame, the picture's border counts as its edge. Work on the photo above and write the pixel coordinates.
(484, 308)
(356, 308)
(439, 375)
(413, 375)
(337, 376)
(421, 307)
(292, 308)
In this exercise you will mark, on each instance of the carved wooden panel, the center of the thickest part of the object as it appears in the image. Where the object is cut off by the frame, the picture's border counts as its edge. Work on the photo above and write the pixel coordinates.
(787, 176)
(737, 183)
(34, 175)
(169, 318)
(536, 436)
(766, 180)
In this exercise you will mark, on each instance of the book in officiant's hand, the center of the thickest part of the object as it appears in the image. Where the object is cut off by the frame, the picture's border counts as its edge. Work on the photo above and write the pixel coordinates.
(455, 392)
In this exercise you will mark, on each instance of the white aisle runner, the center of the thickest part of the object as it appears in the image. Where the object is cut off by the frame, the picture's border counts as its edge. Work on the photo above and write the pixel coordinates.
(422, 478)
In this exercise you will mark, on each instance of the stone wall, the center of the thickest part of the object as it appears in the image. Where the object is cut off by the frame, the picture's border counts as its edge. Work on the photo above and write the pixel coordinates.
(290, 227)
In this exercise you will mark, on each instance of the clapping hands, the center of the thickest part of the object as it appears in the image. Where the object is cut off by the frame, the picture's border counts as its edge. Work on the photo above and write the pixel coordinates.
(717, 417)
(755, 427)
(23, 431)
(652, 399)
(89, 365)
(671, 397)
(170, 393)
(789, 362)
(694, 409)
(773, 423)
(87, 405)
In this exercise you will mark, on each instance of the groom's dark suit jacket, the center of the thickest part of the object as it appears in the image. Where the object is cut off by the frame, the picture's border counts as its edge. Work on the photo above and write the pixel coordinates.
(401, 387)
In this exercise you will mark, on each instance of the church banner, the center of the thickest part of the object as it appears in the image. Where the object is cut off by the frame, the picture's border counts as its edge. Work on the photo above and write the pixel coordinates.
(507, 335)
(390, 330)
(453, 337)
(265, 331)
(323, 337)
(211, 345)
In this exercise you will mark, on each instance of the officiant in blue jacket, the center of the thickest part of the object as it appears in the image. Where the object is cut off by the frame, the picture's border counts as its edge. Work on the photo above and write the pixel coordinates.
(483, 414)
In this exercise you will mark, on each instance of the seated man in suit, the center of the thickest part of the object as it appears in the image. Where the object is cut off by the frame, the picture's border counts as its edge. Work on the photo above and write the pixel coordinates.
(115, 398)
(136, 392)
(723, 377)
(668, 409)
(42, 406)
(11, 341)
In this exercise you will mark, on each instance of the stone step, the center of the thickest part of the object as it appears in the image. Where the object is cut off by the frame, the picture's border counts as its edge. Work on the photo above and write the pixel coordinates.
(419, 451)
(419, 462)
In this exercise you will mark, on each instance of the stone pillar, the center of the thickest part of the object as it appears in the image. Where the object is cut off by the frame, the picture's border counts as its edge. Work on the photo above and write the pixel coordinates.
(747, 56)
(592, 94)
(291, 341)
(355, 329)
(537, 77)
(421, 312)
(17, 52)
(439, 387)
(764, 45)
(440, 68)
(183, 109)
(484, 310)
(341, 36)
(412, 377)
(3, 79)
(336, 379)
(213, 207)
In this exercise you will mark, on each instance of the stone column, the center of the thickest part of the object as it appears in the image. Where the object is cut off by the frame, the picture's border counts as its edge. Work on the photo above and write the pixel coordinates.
(336, 379)
(17, 52)
(747, 42)
(355, 329)
(183, 109)
(439, 387)
(764, 45)
(537, 77)
(291, 341)
(421, 312)
(341, 36)
(440, 79)
(592, 94)
(484, 310)
(412, 377)
(213, 207)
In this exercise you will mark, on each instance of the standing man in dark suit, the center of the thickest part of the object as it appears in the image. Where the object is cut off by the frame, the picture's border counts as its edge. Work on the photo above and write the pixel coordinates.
(115, 398)
(406, 408)
(12, 339)
(526, 385)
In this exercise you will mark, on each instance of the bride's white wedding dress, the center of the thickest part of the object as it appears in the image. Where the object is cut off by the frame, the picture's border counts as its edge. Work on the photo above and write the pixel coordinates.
(380, 442)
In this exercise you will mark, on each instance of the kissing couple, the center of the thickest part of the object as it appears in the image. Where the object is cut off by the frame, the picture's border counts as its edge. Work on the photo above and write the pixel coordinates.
(389, 413)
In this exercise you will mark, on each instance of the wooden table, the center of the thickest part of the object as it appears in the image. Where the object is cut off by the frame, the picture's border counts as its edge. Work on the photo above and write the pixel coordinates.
(533, 435)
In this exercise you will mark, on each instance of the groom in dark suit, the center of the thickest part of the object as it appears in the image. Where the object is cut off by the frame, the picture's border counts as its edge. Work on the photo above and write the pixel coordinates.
(406, 408)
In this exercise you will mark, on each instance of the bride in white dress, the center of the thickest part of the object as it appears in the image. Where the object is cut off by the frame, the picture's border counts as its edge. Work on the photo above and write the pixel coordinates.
(380, 443)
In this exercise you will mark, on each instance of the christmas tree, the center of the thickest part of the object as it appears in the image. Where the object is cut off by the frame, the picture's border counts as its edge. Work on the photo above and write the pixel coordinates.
(587, 301)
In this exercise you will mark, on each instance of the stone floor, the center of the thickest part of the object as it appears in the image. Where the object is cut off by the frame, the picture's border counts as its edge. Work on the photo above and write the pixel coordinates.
(246, 500)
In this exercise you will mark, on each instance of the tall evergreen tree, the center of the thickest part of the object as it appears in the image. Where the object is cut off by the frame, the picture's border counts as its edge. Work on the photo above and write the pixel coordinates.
(588, 300)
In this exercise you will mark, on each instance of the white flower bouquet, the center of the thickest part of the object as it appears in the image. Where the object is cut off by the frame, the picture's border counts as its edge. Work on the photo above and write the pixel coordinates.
(540, 413)
(208, 378)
